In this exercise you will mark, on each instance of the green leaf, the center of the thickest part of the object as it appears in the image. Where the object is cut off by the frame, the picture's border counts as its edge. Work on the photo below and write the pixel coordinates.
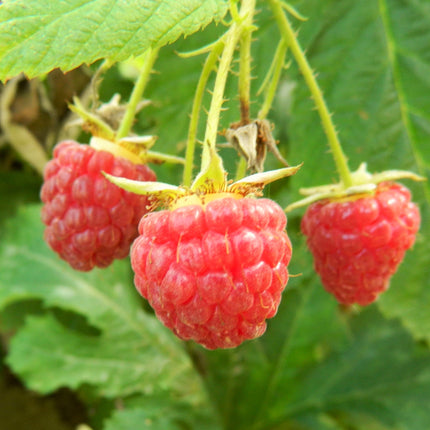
(358, 386)
(117, 362)
(40, 35)
(312, 421)
(374, 70)
(13, 317)
(129, 352)
(160, 414)
(410, 286)
(378, 379)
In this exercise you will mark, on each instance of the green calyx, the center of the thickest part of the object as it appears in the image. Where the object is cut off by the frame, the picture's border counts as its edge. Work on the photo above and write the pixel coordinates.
(133, 148)
(362, 183)
(205, 185)
(212, 177)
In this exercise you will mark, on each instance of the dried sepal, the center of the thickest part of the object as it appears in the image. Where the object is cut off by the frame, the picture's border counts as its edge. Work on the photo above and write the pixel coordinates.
(252, 141)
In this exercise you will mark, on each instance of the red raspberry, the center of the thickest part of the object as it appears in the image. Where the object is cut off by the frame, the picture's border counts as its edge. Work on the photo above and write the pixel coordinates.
(358, 244)
(214, 273)
(90, 221)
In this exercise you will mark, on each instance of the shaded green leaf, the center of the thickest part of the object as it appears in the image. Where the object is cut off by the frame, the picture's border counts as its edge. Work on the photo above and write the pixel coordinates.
(161, 414)
(312, 421)
(40, 35)
(117, 363)
(16, 188)
(12, 317)
(362, 386)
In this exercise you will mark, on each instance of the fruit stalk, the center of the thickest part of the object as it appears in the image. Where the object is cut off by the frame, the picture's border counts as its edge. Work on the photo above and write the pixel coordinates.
(245, 79)
(245, 64)
(217, 101)
(194, 120)
(136, 95)
(329, 129)
(231, 40)
(274, 75)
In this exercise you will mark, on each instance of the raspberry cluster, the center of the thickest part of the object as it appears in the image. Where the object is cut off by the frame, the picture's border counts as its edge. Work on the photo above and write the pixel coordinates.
(358, 244)
(214, 273)
(90, 221)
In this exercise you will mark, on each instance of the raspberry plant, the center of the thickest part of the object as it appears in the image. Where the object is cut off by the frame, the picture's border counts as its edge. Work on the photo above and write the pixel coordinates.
(229, 75)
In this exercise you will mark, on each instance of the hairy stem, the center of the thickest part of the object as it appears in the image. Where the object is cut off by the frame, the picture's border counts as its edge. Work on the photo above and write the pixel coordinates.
(245, 64)
(274, 76)
(330, 131)
(136, 95)
(245, 78)
(194, 120)
(231, 40)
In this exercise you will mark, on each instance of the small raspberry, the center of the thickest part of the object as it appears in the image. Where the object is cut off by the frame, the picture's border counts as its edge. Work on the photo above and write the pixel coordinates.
(358, 244)
(214, 273)
(90, 221)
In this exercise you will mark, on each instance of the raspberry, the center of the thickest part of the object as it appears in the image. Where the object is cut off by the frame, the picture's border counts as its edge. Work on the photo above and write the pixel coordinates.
(358, 244)
(214, 273)
(90, 221)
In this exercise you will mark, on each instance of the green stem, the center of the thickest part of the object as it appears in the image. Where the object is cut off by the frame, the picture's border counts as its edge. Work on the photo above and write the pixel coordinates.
(241, 169)
(194, 120)
(245, 78)
(245, 65)
(232, 37)
(136, 95)
(291, 39)
(275, 72)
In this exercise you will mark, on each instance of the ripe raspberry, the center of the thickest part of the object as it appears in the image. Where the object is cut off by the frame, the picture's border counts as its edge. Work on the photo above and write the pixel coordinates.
(214, 273)
(90, 221)
(358, 244)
